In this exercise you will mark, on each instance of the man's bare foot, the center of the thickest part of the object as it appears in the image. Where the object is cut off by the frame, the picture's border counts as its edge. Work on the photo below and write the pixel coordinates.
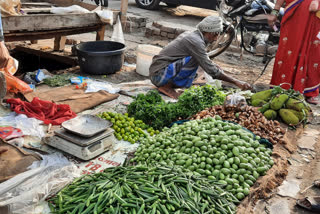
(169, 91)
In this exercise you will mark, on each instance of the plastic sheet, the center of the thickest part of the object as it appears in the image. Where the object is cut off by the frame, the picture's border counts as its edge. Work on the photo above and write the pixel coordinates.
(95, 86)
(117, 34)
(9, 132)
(214, 82)
(235, 99)
(106, 16)
(23, 192)
(28, 126)
(71, 9)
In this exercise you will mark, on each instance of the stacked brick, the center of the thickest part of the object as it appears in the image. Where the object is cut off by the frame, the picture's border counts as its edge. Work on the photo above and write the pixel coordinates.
(164, 30)
(135, 24)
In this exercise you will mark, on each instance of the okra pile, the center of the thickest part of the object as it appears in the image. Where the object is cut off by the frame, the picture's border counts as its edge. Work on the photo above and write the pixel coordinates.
(220, 150)
(141, 189)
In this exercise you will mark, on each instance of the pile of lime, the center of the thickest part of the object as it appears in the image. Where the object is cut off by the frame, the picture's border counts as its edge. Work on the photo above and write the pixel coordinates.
(127, 128)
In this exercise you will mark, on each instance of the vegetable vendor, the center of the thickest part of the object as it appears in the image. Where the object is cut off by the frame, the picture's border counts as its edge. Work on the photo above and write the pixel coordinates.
(177, 64)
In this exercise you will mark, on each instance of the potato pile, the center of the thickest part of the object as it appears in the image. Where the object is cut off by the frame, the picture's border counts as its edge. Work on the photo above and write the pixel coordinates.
(248, 117)
(290, 105)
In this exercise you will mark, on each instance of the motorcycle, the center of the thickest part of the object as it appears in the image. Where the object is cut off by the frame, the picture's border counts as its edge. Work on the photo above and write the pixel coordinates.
(250, 17)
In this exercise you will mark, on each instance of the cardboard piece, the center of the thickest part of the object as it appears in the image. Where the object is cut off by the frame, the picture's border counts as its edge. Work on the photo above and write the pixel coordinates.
(14, 160)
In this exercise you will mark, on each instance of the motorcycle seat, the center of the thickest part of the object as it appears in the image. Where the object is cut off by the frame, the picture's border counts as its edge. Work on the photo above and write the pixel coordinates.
(260, 18)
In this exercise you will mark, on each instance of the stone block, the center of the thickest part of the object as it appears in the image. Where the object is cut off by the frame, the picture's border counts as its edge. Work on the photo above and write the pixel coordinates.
(179, 31)
(137, 19)
(171, 35)
(163, 34)
(168, 29)
(148, 32)
(133, 24)
(71, 42)
(157, 38)
(156, 25)
(156, 31)
(143, 24)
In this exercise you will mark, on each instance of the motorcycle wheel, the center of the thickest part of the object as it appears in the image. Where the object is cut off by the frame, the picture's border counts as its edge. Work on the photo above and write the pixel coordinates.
(223, 42)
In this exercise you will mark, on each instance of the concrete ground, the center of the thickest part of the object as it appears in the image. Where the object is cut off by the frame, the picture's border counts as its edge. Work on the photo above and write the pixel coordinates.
(152, 15)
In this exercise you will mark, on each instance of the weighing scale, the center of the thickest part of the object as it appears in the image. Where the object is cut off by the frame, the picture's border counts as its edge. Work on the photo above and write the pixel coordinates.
(83, 148)
(72, 141)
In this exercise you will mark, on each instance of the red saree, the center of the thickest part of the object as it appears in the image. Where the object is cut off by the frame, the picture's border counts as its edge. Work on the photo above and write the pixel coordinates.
(297, 63)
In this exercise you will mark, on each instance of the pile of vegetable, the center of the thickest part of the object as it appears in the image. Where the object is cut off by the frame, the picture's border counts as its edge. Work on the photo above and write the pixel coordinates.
(58, 80)
(289, 105)
(139, 189)
(154, 111)
(127, 128)
(248, 117)
(222, 151)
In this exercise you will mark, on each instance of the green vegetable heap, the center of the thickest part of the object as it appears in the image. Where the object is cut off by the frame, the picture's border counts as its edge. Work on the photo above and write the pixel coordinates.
(154, 111)
(288, 104)
(127, 128)
(58, 80)
(220, 150)
(139, 189)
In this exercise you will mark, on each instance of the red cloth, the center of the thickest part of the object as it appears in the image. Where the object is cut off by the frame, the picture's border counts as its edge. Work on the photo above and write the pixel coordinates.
(46, 111)
(297, 62)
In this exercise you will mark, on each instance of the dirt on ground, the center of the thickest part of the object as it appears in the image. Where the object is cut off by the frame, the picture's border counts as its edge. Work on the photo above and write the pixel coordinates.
(265, 186)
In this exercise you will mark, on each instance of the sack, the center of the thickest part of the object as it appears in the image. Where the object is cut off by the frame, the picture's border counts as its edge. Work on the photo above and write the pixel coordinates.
(117, 34)
(10, 7)
(16, 85)
(14, 161)
(106, 16)
(66, 10)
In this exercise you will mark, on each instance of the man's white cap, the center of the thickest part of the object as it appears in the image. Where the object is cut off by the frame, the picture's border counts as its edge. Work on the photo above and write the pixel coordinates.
(211, 24)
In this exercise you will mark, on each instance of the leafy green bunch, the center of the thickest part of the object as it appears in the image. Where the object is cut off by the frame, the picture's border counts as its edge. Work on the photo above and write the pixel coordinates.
(154, 111)
(196, 99)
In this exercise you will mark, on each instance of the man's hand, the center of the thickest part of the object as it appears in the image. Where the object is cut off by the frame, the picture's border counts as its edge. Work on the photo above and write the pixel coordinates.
(244, 85)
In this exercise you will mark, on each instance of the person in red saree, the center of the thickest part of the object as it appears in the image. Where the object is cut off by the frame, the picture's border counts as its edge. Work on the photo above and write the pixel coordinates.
(297, 63)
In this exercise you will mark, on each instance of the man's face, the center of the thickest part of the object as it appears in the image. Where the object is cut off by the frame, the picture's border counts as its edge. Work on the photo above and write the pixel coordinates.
(212, 37)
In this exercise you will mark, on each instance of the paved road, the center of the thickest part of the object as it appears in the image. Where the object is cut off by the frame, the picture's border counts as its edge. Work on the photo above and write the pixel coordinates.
(153, 15)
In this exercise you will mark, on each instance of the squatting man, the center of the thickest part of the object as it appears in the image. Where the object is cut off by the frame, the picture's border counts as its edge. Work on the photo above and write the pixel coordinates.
(177, 64)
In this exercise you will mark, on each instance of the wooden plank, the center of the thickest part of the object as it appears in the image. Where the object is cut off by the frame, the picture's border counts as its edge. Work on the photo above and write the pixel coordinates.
(23, 36)
(58, 56)
(36, 4)
(123, 10)
(36, 10)
(100, 33)
(67, 3)
(59, 43)
(40, 22)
